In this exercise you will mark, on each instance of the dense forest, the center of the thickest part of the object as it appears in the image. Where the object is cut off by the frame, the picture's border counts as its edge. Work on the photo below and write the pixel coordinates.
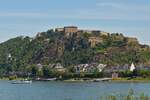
(23, 52)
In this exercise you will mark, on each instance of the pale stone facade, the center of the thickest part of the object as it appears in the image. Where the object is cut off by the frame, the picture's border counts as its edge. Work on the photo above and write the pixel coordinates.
(94, 40)
(132, 40)
(59, 30)
(70, 29)
(104, 33)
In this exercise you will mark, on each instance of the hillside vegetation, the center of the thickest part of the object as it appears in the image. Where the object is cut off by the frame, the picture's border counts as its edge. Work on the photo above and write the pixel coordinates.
(19, 53)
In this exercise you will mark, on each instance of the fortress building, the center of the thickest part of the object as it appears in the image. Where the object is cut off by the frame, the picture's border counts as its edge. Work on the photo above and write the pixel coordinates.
(67, 30)
(70, 29)
(59, 30)
(94, 39)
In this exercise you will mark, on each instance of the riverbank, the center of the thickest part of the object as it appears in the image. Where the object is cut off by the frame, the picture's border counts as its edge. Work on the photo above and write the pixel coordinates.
(87, 80)
(18, 78)
(136, 79)
(7, 78)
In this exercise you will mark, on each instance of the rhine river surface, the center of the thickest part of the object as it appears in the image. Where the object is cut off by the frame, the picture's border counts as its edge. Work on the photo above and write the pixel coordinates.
(67, 91)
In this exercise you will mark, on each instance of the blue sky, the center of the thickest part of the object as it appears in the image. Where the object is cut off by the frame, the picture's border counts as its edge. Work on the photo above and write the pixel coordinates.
(27, 17)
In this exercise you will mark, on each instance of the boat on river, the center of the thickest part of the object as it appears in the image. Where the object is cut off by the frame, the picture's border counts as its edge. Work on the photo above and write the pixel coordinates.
(45, 79)
(25, 81)
(102, 79)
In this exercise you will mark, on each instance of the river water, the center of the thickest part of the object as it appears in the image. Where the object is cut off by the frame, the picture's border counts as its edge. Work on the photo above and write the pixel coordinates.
(68, 91)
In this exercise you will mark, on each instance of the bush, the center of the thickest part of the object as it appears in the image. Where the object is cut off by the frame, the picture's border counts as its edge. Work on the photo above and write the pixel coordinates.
(129, 96)
(12, 77)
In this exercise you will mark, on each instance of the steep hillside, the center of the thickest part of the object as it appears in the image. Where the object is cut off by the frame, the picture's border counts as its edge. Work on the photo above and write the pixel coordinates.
(78, 48)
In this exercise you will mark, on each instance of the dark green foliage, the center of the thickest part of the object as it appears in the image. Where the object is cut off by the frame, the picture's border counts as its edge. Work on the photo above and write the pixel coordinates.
(34, 70)
(135, 73)
(54, 47)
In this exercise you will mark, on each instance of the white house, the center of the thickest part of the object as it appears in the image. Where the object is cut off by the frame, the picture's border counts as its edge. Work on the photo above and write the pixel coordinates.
(9, 55)
(101, 67)
(89, 68)
(59, 67)
(39, 66)
(132, 67)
